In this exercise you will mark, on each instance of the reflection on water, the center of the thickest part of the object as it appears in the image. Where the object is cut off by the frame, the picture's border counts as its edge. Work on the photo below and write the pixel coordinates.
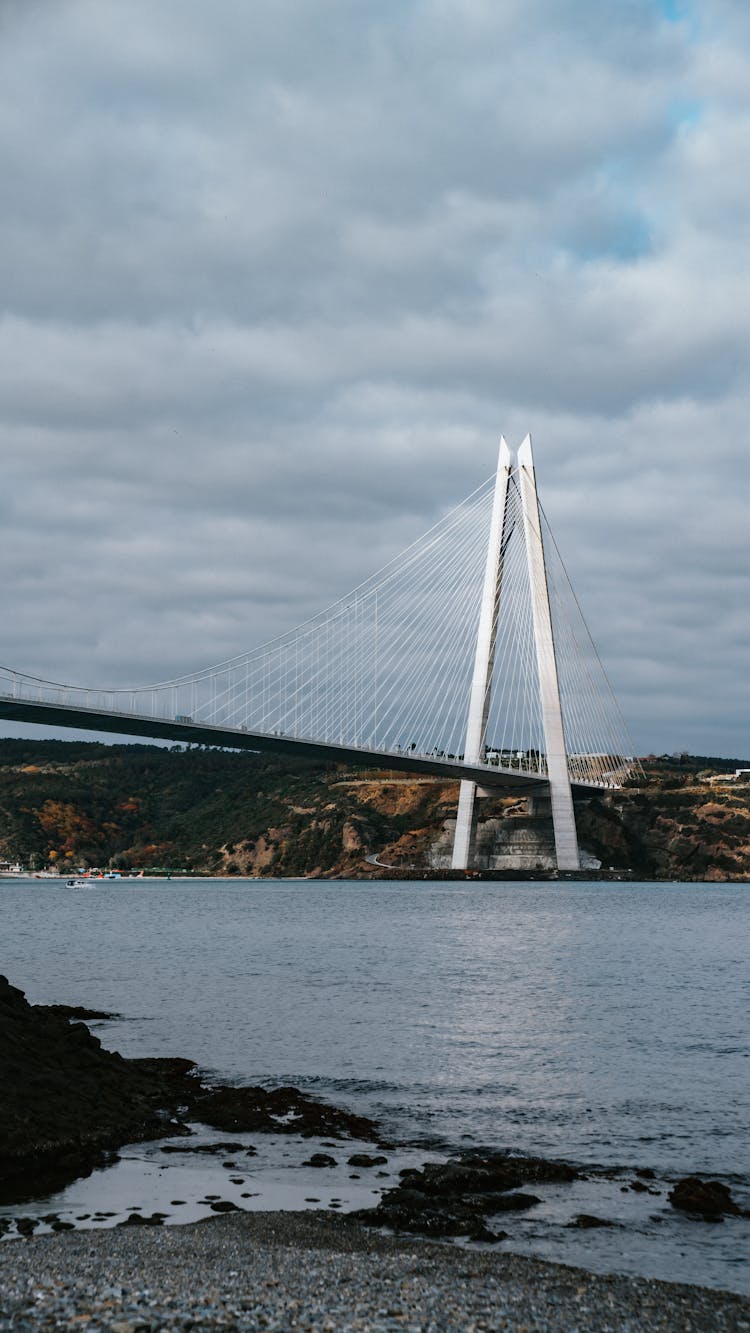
(605, 1023)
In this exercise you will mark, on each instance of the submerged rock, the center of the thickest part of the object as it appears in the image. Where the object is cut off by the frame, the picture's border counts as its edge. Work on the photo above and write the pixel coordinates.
(708, 1199)
(586, 1221)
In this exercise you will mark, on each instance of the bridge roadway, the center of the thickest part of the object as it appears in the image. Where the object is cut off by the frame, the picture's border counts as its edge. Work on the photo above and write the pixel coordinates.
(203, 733)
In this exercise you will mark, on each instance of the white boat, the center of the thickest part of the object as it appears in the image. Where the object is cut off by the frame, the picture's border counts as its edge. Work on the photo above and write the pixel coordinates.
(79, 883)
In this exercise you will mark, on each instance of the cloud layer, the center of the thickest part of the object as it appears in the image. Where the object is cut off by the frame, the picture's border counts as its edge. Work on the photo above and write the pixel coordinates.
(275, 278)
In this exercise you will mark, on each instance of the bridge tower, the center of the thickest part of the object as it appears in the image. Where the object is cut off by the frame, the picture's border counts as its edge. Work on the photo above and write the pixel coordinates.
(518, 472)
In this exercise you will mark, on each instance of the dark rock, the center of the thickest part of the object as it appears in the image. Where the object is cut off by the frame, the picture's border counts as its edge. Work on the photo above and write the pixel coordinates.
(139, 1220)
(277, 1111)
(409, 1210)
(62, 1226)
(646, 1173)
(706, 1198)
(490, 1173)
(75, 1011)
(321, 1159)
(25, 1226)
(638, 1187)
(586, 1221)
(507, 1203)
(224, 1206)
(454, 1198)
(63, 1099)
(365, 1159)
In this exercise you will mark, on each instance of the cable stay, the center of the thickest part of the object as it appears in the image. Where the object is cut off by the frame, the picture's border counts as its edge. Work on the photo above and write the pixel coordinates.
(389, 668)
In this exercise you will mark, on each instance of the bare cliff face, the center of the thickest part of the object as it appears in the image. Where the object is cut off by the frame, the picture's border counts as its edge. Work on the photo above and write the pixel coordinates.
(134, 807)
(345, 820)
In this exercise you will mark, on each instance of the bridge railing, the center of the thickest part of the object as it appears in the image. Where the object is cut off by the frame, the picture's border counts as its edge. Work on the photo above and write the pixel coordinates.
(164, 702)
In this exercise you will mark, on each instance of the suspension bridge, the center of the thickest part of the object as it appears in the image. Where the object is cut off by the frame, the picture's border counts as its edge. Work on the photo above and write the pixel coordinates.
(466, 657)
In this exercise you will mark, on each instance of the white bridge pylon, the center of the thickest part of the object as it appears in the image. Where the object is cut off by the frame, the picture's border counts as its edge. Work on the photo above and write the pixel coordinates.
(515, 509)
(467, 651)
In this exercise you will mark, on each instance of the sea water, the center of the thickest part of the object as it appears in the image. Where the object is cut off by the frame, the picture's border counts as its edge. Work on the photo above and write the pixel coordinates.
(603, 1023)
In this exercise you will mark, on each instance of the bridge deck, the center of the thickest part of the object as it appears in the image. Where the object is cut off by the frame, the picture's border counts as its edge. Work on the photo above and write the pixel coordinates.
(200, 733)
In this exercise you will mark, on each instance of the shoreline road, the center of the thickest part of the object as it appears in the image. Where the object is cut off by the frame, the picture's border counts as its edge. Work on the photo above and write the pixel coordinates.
(278, 1271)
(374, 860)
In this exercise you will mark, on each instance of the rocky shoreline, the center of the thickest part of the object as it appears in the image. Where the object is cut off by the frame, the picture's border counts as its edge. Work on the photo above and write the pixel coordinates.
(67, 1105)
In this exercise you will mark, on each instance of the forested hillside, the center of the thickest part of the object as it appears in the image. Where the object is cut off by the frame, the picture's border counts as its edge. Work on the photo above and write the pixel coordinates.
(132, 807)
(136, 807)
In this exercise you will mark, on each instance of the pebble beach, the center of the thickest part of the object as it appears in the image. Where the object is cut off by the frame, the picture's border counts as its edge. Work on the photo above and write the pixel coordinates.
(314, 1271)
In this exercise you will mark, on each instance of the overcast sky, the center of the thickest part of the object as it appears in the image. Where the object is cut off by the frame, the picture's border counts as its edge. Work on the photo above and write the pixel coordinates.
(276, 274)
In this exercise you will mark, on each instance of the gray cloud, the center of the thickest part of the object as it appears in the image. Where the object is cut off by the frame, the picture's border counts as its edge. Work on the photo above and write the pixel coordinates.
(274, 280)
